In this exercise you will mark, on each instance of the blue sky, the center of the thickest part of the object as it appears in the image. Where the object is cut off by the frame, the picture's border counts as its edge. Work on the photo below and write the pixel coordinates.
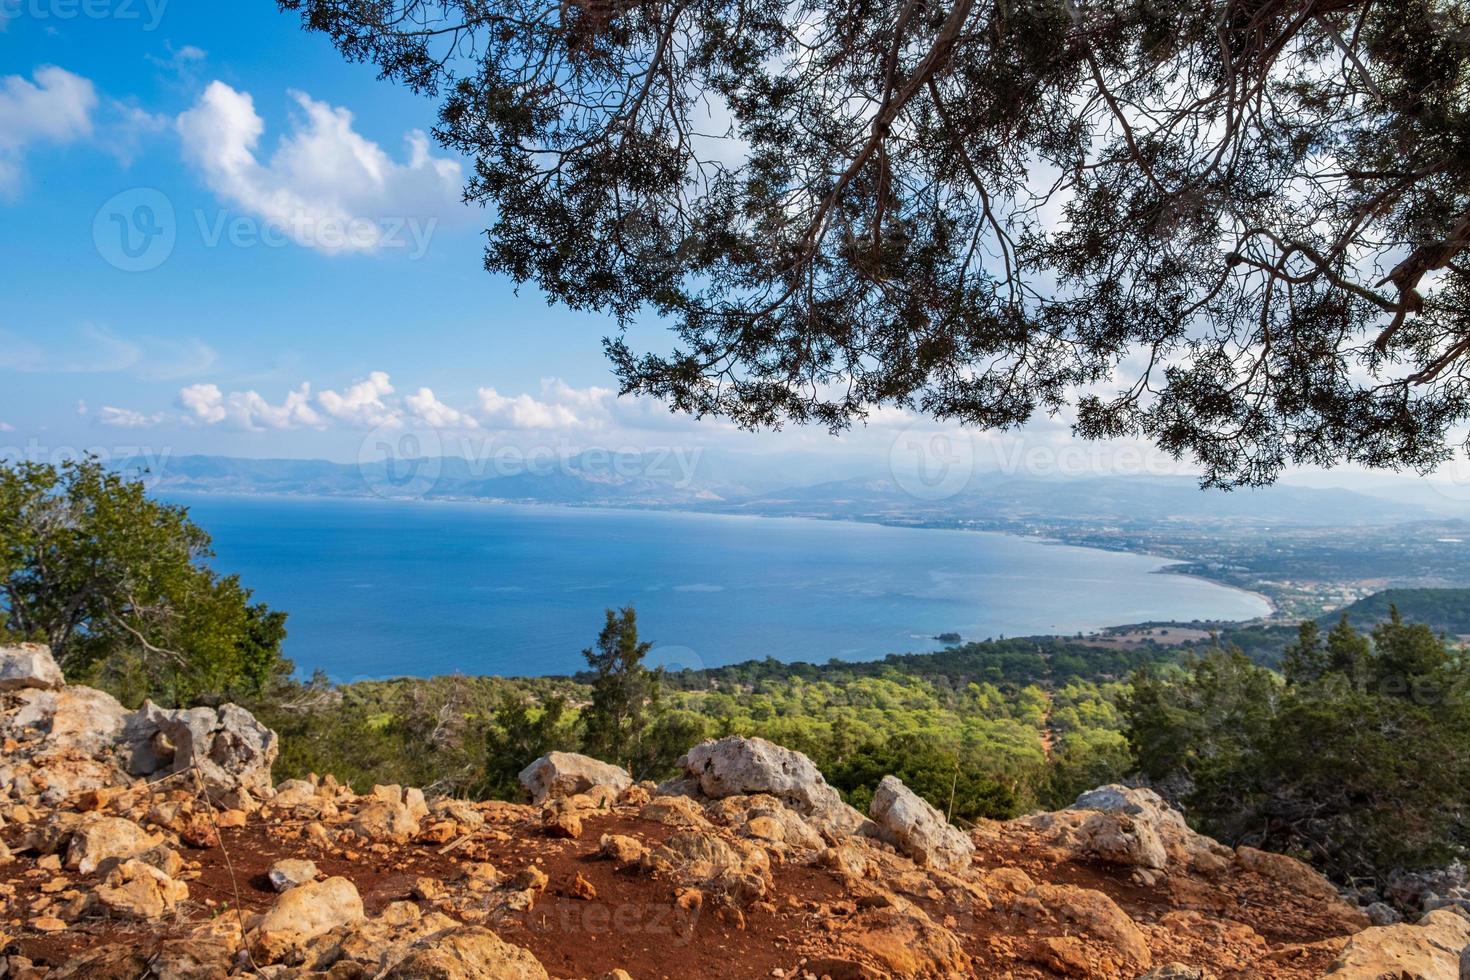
(220, 237)
(288, 224)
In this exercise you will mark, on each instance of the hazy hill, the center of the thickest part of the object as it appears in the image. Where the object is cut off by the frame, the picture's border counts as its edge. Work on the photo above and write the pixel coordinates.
(1447, 610)
(737, 483)
(1114, 499)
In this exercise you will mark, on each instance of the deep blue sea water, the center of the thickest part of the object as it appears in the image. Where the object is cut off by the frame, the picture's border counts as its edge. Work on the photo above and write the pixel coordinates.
(387, 588)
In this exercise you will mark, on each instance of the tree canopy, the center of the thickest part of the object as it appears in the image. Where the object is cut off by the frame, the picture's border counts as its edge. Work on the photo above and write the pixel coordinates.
(1233, 227)
(117, 584)
(1356, 758)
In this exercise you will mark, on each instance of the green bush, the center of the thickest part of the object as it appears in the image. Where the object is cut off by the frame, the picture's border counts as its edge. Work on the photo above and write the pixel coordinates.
(117, 584)
(1357, 759)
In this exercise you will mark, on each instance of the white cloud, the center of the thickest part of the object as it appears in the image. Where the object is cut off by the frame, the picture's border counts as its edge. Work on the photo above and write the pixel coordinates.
(525, 412)
(248, 409)
(556, 410)
(325, 185)
(6, 427)
(362, 403)
(205, 401)
(190, 52)
(126, 418)
(55, 108)
(431, 411)
(559, 406)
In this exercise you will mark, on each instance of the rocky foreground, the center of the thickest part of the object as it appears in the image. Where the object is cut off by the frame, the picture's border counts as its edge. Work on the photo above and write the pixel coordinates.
(154, 844)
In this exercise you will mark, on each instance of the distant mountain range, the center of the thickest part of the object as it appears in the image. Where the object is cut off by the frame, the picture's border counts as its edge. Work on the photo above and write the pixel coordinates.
(1108, 499)
(772, 486)
(594, 479)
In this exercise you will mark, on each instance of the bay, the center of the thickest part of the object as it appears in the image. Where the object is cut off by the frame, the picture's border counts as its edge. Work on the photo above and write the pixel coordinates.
(380, 588)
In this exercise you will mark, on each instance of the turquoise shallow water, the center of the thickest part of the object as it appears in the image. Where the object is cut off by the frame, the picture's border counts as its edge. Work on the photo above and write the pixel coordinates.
(386, 588)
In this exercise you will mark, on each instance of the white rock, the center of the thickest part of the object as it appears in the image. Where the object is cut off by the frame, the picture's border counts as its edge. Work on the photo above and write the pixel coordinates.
(29, 665)
(231, 750)
(289, 873)
(735, 766)
(418, 807)
(910, 824)
(1132, 827)
(294, 792)
(1134, 801)
(567, 774)
(100, 838)
(382, 821)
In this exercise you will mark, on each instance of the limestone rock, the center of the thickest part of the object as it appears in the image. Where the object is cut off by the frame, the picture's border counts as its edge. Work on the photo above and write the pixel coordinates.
(140, 891)
(293, 793)
(699, 854)
(1082, 927)
(99, 838)
(193, 959)
(621, 849)
(418, 807)
(1429, 949)
(847, 859)
(766, 818)
(29, 666)
(461, 812)
(738, 872)
(106, 963)
(384, 821)
(288, 873)
(1175, 971)
(465, 953)
(562, 824)
(230, 749)
(59, 743)
(1132, 827)
(909, 944)
(313, 908)
(674, 811)
(567, 773)
(1116, 838)
(918, 830)
(736, 766)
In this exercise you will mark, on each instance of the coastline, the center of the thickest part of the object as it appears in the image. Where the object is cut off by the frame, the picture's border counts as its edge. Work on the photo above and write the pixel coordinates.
(920, 607)
(1167, 563)
(1271, 604)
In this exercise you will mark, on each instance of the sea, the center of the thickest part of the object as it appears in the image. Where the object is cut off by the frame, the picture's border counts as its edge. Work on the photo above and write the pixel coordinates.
(389, 588)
